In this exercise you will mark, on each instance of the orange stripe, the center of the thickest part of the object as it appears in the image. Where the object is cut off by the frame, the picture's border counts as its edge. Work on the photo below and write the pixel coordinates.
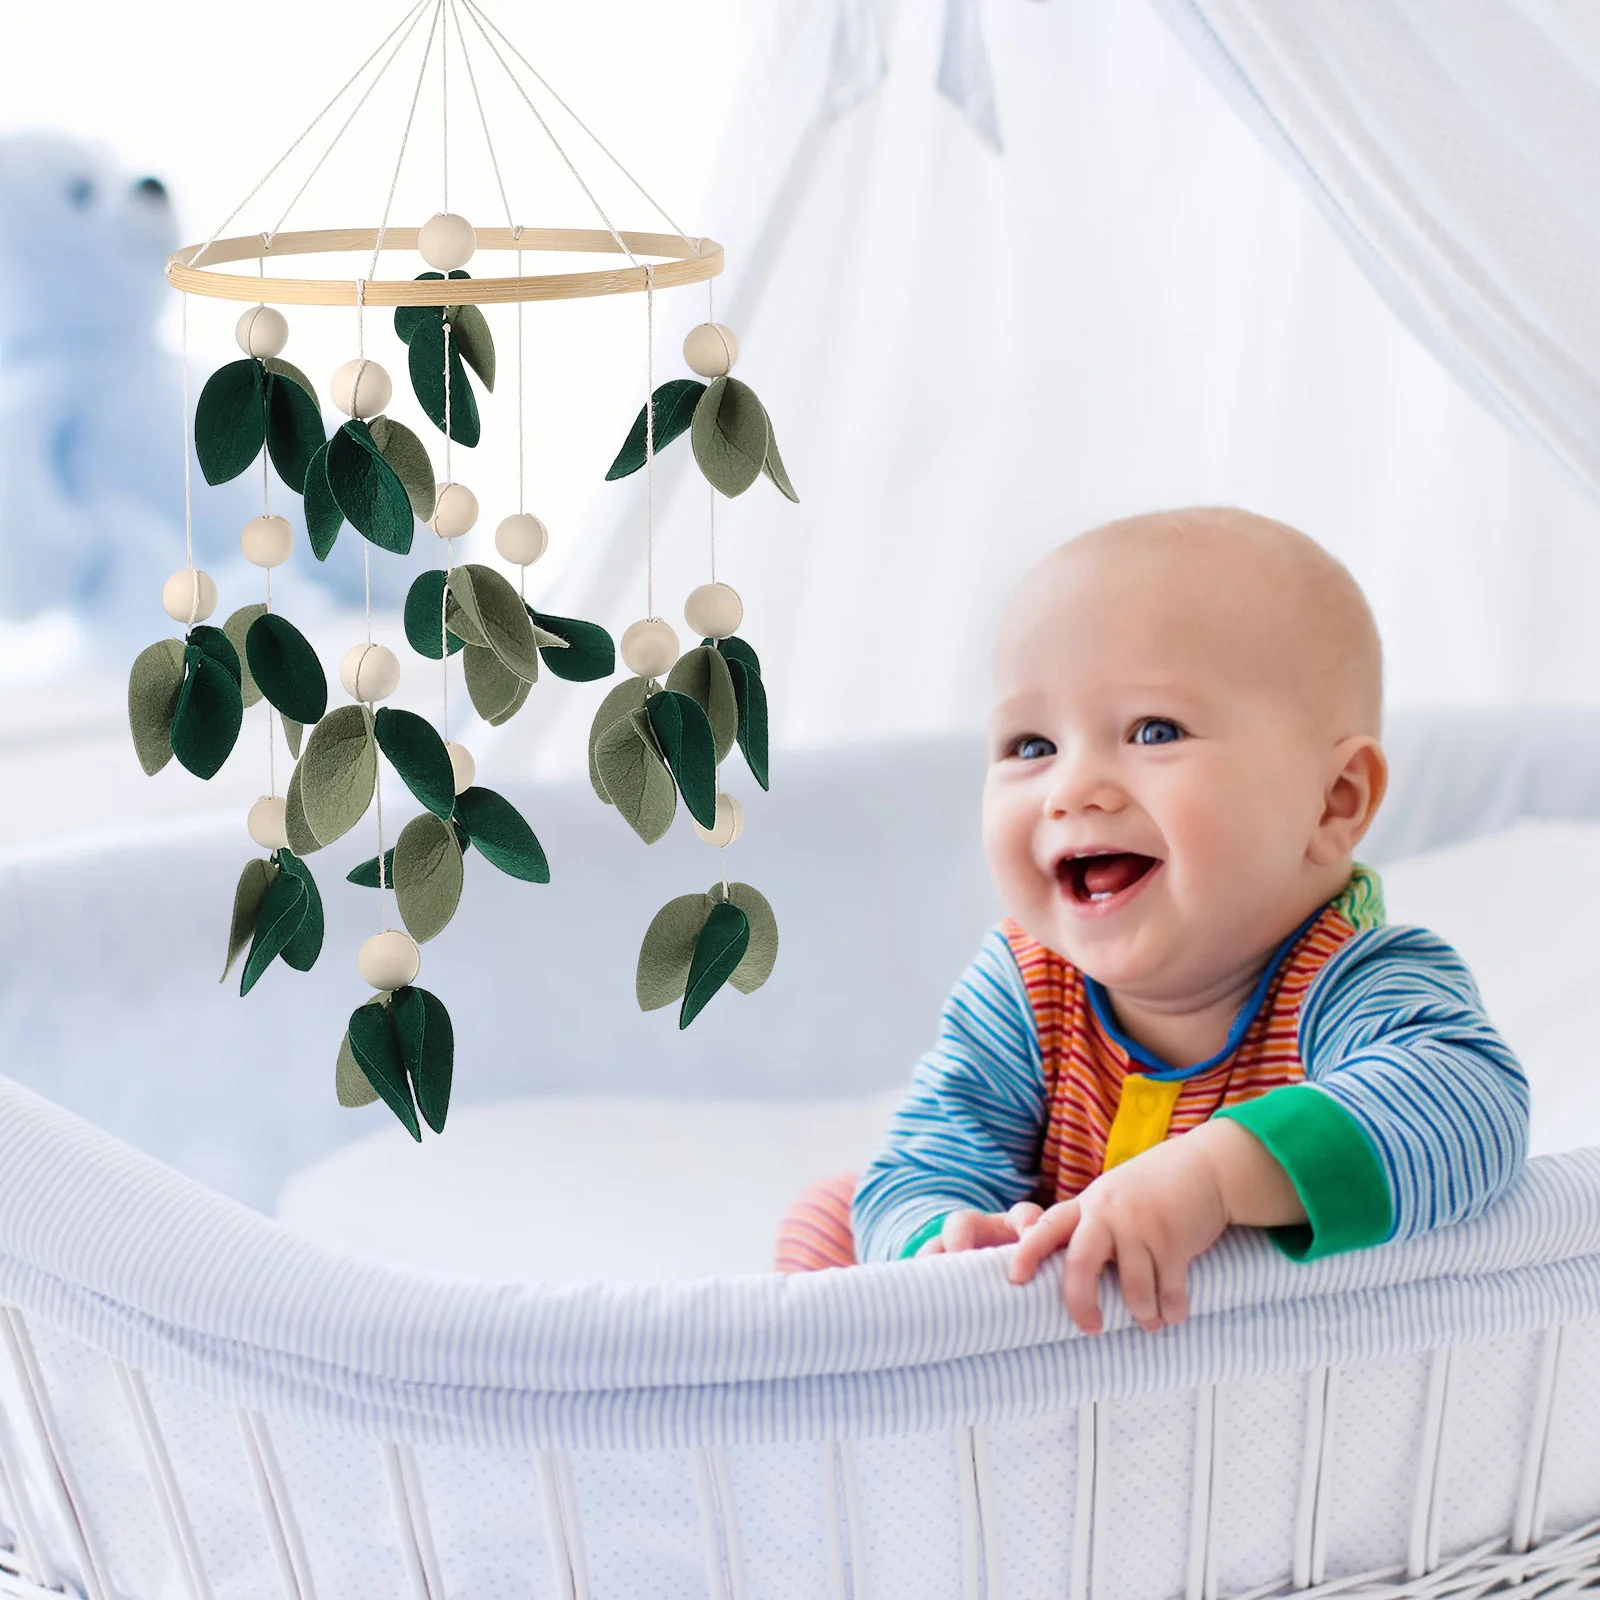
(816, 1231)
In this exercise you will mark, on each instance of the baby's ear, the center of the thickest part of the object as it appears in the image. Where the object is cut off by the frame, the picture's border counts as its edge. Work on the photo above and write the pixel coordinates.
(1360, 778)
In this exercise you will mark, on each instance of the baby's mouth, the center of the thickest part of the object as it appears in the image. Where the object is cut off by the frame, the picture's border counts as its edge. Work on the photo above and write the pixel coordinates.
(1098, 878)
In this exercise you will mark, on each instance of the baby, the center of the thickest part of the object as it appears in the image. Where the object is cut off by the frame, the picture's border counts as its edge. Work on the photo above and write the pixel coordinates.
(1194, 1014)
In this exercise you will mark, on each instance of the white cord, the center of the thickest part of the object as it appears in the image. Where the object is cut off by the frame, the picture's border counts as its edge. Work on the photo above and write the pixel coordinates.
(494, 160)
(444, 110)
(649, 442)
(188, 495)
(416, 94)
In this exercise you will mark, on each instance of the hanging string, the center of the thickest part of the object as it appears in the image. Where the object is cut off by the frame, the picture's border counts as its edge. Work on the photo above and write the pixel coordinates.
(405, 138)
(449, 555)
(649, 442)
(188, 497)
(383, 885)
(483, 120)
(444, 102)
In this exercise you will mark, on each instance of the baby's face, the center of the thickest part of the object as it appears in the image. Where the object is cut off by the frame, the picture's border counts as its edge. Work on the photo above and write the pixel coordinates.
(1157, 776)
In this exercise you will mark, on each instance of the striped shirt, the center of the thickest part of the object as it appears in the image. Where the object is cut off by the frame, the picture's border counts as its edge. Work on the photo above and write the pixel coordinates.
(1363, 1060)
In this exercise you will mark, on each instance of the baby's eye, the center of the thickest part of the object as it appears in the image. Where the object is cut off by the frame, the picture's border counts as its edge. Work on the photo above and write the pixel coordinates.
(1032, 748)
(1156, 730)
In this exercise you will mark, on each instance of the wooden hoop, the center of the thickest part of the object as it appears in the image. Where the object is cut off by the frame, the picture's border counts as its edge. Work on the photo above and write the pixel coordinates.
(688, 261)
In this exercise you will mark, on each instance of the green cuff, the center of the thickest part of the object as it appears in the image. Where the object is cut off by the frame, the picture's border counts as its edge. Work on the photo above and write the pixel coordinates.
(929, 1230)
(1331, 1163)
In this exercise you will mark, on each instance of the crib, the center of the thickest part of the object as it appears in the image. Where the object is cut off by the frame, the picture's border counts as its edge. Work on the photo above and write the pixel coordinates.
(197, 1404)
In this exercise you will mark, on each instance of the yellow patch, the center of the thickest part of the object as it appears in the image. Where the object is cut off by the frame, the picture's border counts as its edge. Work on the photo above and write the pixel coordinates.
(1144, 1114)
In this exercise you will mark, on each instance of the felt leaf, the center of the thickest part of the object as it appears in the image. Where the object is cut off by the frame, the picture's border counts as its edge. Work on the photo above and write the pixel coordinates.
(210, 709)
(490, 604)
(216, 644)
(752, 698)
(590, 652)
(291, 734)
(496, 692)
(502, 835)
(427, 875)
(154, 687)
(730, 435)
(635, 778)
(762, 954)
(684, 733)
(673, 406)
(735, 649)
(418, 754)
(369, 495)
(627, 696)
(469, 333)
(283, 908)
(349, 1081)
(324, 519)
(302, 950)
(230, 420)
(463, 626)
(424, 618)
(286, 667)
(294, 429)
(426, 362)
(376, 1046)
(277, 366)
(703, 675)
(407, 454)
(718, 951)
(667, 950)
(366, 875)
(428, 1048)
(296, 829)
(252, 887)
(237, 627)
(407, 319)
(773, 467)
(337, 773)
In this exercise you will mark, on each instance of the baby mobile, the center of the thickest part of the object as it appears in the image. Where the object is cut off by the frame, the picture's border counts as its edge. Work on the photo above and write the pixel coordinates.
(658, 736)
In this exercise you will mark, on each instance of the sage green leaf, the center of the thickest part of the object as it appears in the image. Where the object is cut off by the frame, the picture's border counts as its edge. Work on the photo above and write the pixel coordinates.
(497, 693)
(752, 697)
(424, 617)
(236, 627)
(407, 319)
(349, 1081)
(590, 652)
(683, 731)
(773, 467)
(298, 831)
(337, 773)
(502, 835)
(702, 674)
(294, 429)
(427, 875)
(735, 649)
(302, 950)
(489, 604)
(230, 420)
(253, 884)
(634, 777)
(673, 406)
(428, 1048)
(369, 495)
(283, 908)
(762, 954)
(216, 644)
(324, 519)
(458, 622)
(210, 709)
(717, 954)
(287, 369)
(668, 949)
(154, 687)
(285, 666)
(627, 696)
(291, 734)
(407, 454)
(730, 434)
(469, 332)
(376, 1046)
(366, 875)
(417, 753)
(427, 382)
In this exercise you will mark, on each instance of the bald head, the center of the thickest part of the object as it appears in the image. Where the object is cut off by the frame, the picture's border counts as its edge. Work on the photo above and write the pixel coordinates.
(1257, 597)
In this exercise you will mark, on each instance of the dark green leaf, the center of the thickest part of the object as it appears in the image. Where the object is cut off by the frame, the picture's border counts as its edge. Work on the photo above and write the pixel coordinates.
(702, 674)
(668, 950)
(407, 454)
(762, 954)
(673, 406)
(369, 495)
(376, 1046)
(210, 709)
(735, 649)
(277, 366)
(469, 332)
(366, 875)
(428, 1048)
(230, 421)
(323, 516)
(590, 651)
(407, 319)
(502, 836)
(684, 734)
(237, 627)
(349, 1081)
(752, 697)
(252, 888)
(418, 754)
(283, 909)
(496, 692)
(424, 617)
(302, 950)
(294, 429)
(719, 949)
(286, 667)
(427, 381)
(730, 435)
(216, 644)
(154, 687)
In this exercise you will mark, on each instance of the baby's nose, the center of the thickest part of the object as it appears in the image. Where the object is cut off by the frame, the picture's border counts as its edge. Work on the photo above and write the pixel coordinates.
(1081, 782)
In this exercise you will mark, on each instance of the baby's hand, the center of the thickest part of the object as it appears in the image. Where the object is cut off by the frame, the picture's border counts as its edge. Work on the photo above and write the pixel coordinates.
(982, 1230)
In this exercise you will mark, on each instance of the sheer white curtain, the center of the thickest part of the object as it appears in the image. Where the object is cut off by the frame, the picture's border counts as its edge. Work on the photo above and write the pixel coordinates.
(970, 355)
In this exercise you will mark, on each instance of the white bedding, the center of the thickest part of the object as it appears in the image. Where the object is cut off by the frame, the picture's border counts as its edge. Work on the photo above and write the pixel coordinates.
(578, 1189)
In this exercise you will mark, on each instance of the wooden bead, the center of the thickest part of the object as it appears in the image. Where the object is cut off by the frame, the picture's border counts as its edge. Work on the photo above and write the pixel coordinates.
(189, 595)
(446, 241)
(521, 539)
(267, 541)
(369, 672)
(462, 767)
(714, 611)
(262, 331)
(455, 511)
(268, 822)
(390, 960)
(711, 350)
(729, 824)
(649, 647)
(361, 389)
